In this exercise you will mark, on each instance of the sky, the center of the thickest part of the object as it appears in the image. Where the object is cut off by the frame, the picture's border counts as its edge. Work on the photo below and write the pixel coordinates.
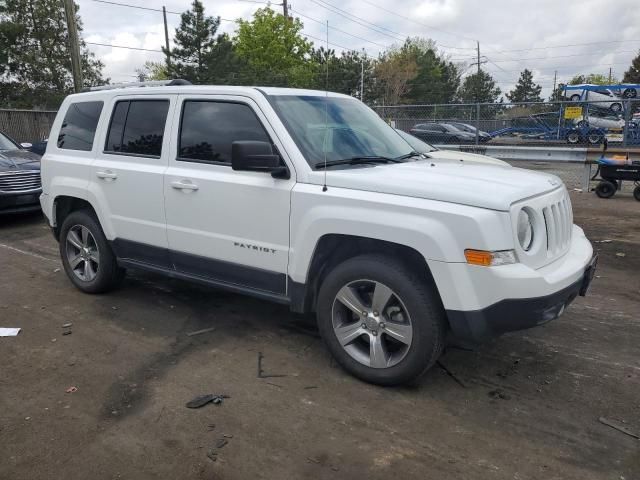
(571, 36)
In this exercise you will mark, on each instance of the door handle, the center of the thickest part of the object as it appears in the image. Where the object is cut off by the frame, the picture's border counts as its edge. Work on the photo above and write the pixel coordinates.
(184, 185)
(106, 174)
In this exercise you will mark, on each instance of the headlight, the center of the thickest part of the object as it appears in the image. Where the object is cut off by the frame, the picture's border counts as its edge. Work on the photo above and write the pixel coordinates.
(525, 230)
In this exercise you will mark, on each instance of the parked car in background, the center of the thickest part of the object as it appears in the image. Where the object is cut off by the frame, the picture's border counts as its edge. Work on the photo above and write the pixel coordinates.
(598, 120)
(434, 153)
(465, 127)
(441, 133)
(603, 97)
(630, 90)
(39, 147)
(20, 186)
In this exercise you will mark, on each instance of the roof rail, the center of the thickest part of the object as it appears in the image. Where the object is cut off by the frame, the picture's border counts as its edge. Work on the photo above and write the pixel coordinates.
(152, 83)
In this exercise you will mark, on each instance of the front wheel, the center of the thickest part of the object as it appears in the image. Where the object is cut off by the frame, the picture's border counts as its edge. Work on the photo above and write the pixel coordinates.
(636, 193)
(86, 255)
(382, 323)
(616, 107)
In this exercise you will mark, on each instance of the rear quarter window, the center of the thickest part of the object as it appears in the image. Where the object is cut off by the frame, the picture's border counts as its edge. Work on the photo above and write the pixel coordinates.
(79, 126)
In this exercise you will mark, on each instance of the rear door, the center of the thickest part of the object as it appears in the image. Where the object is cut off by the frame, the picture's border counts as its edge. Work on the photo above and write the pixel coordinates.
(128, 175)
(224, 225)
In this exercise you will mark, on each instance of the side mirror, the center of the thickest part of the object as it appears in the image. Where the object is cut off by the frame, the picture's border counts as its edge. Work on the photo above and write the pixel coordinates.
(253, 156)
(26, 145)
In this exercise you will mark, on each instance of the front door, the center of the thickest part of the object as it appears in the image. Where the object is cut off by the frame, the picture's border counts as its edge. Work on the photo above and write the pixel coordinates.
(224, 225)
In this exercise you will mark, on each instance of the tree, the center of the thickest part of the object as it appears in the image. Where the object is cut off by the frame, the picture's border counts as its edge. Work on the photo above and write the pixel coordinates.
(395, 69)
(437, 79)
(153, 71)
(224, 67)
(275, 51)
(345, 72)
(592, 78)
(194, 39)
(525, 90)
(35, 63)
(633, 74)
(479, 87)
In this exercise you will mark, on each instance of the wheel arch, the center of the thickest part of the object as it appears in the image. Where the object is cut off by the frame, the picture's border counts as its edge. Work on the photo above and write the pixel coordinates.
(333, 249)
(63, 205)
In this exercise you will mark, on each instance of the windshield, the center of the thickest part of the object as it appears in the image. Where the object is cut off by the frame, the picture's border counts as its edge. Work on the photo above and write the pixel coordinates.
(6, 143)
(342, 127)
(417, 144)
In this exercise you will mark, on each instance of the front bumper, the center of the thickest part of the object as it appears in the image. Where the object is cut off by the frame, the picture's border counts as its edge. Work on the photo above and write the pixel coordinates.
(484, 302)
(19, 202)
(516, 314)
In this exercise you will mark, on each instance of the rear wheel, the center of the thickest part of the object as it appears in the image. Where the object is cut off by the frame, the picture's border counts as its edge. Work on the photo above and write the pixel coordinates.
(616, 107)
(86, 255)
(636, 193)
(382, 323)
(573, 137)
(575, 98)
(630, 93)
(594, 138)
(606, 189)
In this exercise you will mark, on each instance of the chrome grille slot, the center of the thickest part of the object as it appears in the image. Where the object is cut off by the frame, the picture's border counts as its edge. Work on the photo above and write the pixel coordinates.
(20, 181)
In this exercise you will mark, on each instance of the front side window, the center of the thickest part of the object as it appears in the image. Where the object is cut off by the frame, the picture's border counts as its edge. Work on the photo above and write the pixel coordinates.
(208, 128)
(337, 128)
(79, 126)
(137, 127)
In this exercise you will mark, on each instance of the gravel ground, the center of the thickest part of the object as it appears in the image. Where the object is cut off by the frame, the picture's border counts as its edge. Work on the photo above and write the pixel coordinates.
(525, 406)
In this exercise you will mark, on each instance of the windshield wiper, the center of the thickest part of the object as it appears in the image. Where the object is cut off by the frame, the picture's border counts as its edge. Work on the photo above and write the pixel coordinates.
(409, 155)
(357, 161)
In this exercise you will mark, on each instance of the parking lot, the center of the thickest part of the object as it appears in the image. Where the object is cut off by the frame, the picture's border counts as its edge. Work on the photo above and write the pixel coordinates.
(525, 406)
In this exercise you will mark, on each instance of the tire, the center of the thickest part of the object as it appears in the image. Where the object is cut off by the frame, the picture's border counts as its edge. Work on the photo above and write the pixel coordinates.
(82, 241)
(606, 189)
(575, 98)
(413, 312)
(636, 193)
(582, 124)
(594, 138)
(630, 93)
(573, 137)
(616, 107)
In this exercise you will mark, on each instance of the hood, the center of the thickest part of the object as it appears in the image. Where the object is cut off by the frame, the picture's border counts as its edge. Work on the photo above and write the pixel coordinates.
(456, 156)
(19, 160)
(484, 186)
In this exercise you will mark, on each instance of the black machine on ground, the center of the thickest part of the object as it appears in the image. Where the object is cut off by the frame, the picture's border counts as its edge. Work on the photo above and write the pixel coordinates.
(613, 171)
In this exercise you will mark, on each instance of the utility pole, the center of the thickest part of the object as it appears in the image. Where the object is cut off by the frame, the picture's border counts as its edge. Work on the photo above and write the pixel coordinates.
(362, 77)
(74, 47)
(166, 41)
(285, 9)
(609, 75)
(553, 92)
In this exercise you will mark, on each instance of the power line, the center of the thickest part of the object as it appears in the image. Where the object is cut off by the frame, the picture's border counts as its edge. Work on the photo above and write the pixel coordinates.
(563, 56)
(122, 46)
(339, 30)
(128, 5)
(568, 45)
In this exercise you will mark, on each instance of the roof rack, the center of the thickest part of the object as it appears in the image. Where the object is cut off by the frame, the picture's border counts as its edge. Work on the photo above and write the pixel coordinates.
(152, 83)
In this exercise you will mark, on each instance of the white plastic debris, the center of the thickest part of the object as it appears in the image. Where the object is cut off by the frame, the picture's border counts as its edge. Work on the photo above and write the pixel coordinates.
(9, 332)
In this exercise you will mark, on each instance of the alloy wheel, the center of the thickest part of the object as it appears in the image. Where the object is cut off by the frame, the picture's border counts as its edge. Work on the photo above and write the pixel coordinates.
(371, 323)
(82, 253)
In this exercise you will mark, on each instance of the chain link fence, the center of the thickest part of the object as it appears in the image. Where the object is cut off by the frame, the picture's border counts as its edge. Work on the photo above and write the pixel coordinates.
(567, 123)
(26, 125)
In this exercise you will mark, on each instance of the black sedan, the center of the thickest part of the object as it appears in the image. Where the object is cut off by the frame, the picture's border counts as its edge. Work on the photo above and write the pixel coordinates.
(439, 133)
(20, 185)
(465, 127)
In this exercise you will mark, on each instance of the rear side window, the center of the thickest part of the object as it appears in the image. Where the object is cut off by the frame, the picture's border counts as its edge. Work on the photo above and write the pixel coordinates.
(79, 126)
(137, 127)
(208, 129)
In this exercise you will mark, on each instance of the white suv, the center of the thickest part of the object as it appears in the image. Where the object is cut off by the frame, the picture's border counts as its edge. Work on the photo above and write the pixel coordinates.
(309, 199)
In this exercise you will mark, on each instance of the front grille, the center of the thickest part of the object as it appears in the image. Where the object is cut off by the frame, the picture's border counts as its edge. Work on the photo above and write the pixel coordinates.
(20, 181)
(558, 218)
